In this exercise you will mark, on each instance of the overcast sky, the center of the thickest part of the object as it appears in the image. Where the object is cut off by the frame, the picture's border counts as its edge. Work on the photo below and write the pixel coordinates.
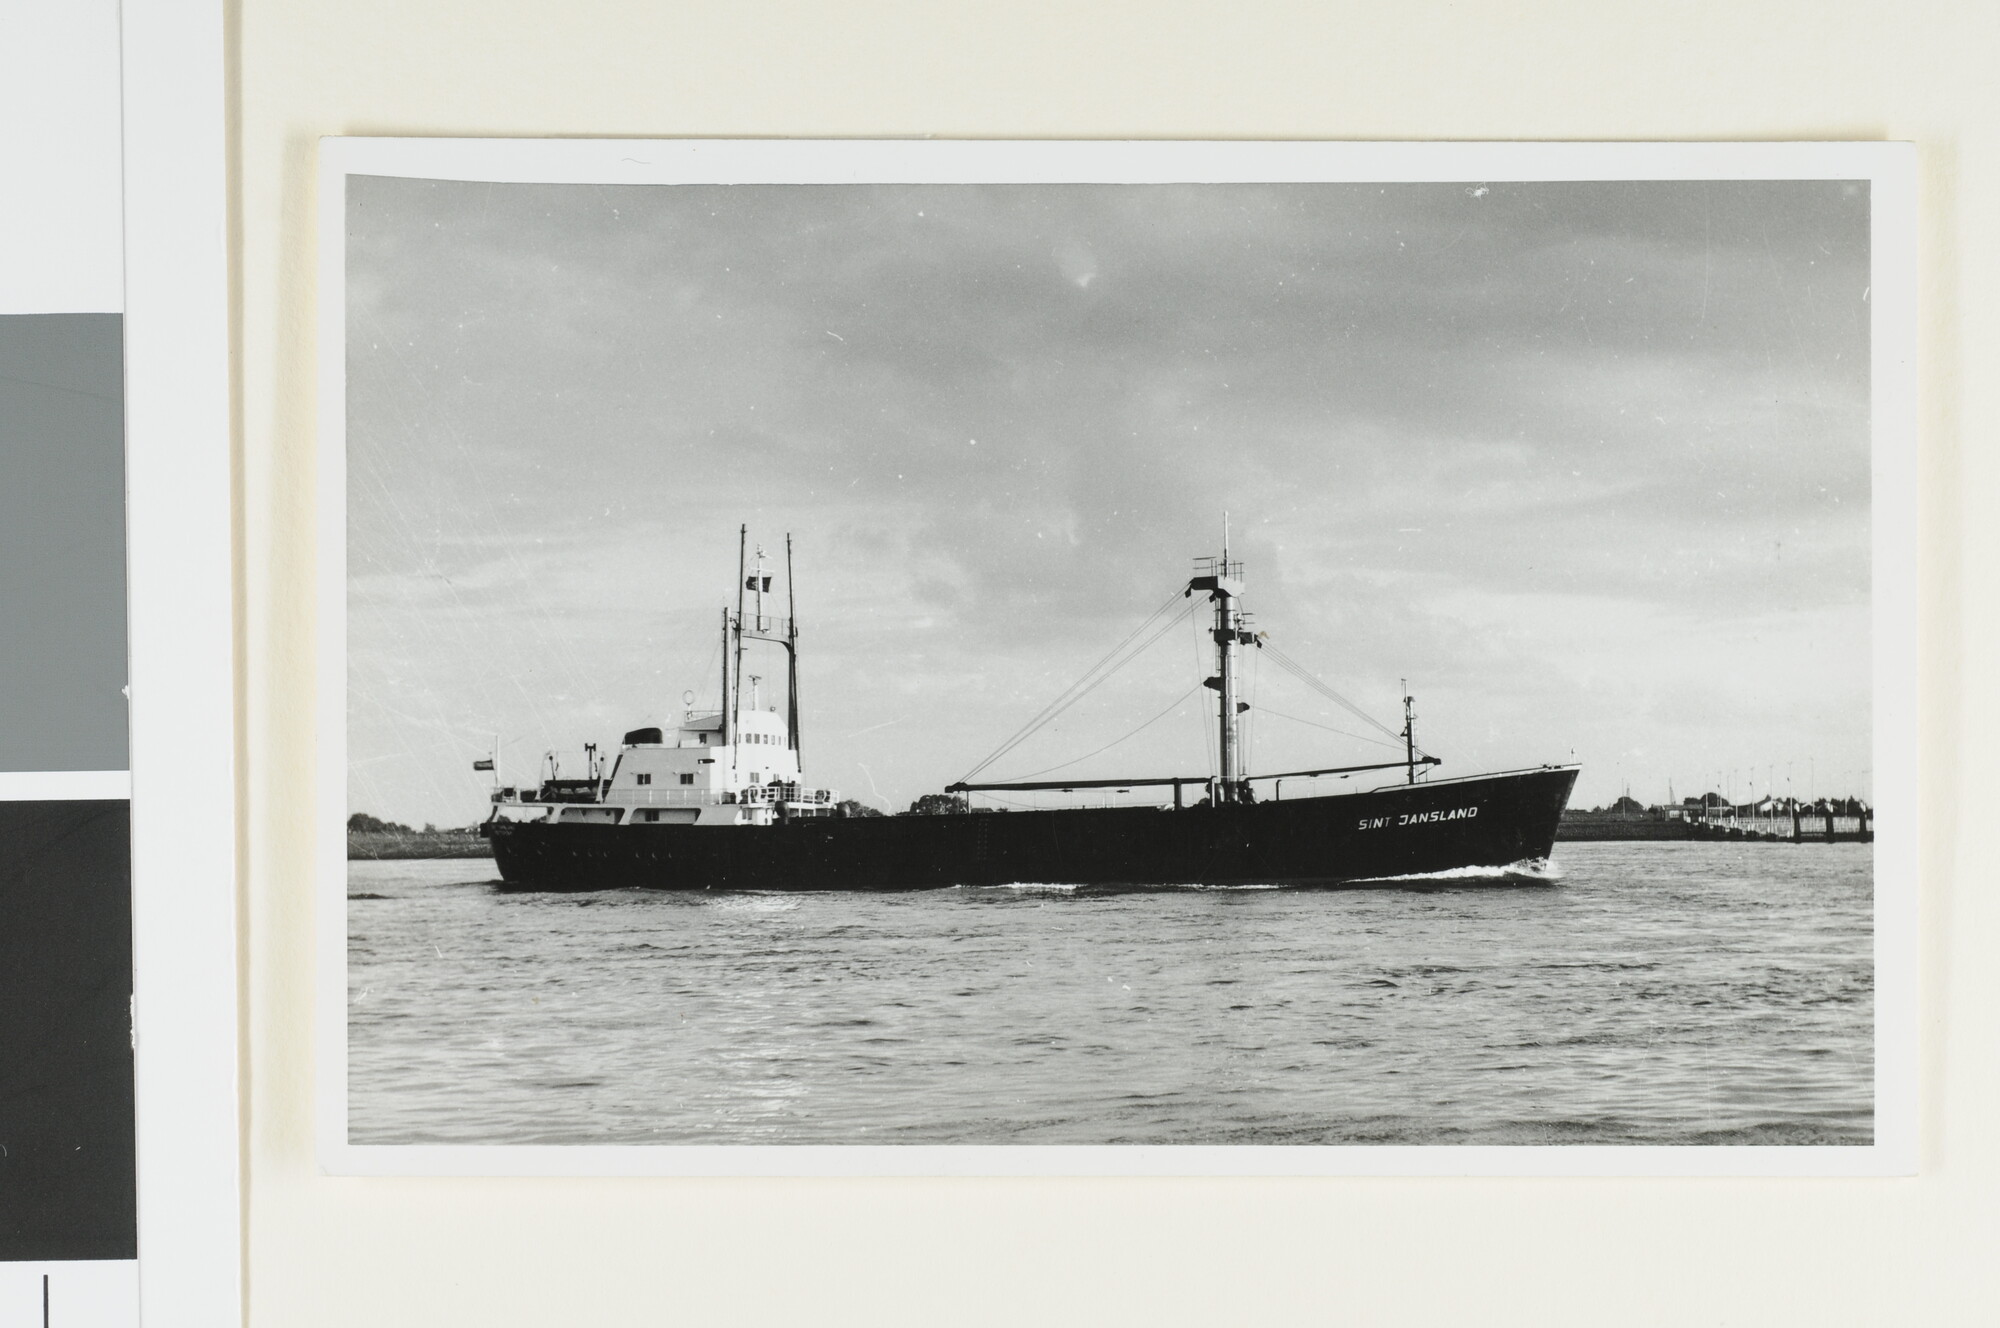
(1587, 463)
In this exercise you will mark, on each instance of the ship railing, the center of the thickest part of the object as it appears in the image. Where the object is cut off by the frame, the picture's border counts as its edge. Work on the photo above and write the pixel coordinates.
(566, 792)
(768, 627)
(518, 810)
(756, 795)
(796, 795)
(669, 797)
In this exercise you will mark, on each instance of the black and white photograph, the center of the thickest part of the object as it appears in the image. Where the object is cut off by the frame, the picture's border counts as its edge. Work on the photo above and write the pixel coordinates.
(1345, 663)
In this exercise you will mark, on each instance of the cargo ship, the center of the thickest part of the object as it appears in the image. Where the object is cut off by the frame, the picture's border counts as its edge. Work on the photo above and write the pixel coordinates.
(720, 801)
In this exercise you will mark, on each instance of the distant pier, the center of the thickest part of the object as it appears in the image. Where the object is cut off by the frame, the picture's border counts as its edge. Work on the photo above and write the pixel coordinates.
(1771, 820)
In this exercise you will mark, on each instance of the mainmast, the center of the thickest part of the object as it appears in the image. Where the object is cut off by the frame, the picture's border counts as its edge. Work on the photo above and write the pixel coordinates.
(1225, 670)
(1409, 732)
(1221, 579)
(1225, 588)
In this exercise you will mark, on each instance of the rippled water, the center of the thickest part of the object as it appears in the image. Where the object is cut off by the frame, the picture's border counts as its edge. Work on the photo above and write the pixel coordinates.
(1647, 993)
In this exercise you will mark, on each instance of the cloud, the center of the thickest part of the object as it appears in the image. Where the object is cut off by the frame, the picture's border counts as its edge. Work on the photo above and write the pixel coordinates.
(1414, 400)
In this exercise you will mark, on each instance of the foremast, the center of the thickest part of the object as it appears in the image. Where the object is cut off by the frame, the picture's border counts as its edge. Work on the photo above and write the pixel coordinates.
(750, 623)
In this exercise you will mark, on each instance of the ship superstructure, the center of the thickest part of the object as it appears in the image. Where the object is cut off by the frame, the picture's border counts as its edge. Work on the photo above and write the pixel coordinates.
(734, 766)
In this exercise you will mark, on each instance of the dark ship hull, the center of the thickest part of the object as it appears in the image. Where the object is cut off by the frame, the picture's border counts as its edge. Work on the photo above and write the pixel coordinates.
(1342, 839)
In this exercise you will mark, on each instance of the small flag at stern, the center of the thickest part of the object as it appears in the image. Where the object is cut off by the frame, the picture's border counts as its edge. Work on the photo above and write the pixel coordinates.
(482, 765)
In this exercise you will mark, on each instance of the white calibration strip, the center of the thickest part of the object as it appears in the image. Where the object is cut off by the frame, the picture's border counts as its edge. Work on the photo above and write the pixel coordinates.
(79, 1293)
(64, 786)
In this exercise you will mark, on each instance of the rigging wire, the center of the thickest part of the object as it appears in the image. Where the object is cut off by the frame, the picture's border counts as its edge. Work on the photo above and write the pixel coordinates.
(1208, 734)
(1125, 652)
(1097, 682)
(1358, 737)
(1064, 698)
(1084, 685)
(1306, 676)
(1179, 700)
(1255, 730)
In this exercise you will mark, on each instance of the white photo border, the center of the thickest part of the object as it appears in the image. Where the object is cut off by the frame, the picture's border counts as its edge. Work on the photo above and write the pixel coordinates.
(180, 587)
(1890, 170)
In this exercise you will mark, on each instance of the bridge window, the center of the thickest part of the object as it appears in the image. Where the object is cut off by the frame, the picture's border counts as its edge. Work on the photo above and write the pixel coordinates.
(645, 779)
(687, 779)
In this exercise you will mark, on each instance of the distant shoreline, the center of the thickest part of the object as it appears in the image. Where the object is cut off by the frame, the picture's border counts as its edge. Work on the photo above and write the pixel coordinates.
(384, 845)
(1577, 827)
(1606, 827)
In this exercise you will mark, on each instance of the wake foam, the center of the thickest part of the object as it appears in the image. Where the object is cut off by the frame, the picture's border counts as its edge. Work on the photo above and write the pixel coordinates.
(1527, 871)
(1538, 871)
(1041, 887)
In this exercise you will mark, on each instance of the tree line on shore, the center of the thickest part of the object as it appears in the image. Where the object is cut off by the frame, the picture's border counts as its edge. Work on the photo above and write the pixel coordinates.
(361, 823)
